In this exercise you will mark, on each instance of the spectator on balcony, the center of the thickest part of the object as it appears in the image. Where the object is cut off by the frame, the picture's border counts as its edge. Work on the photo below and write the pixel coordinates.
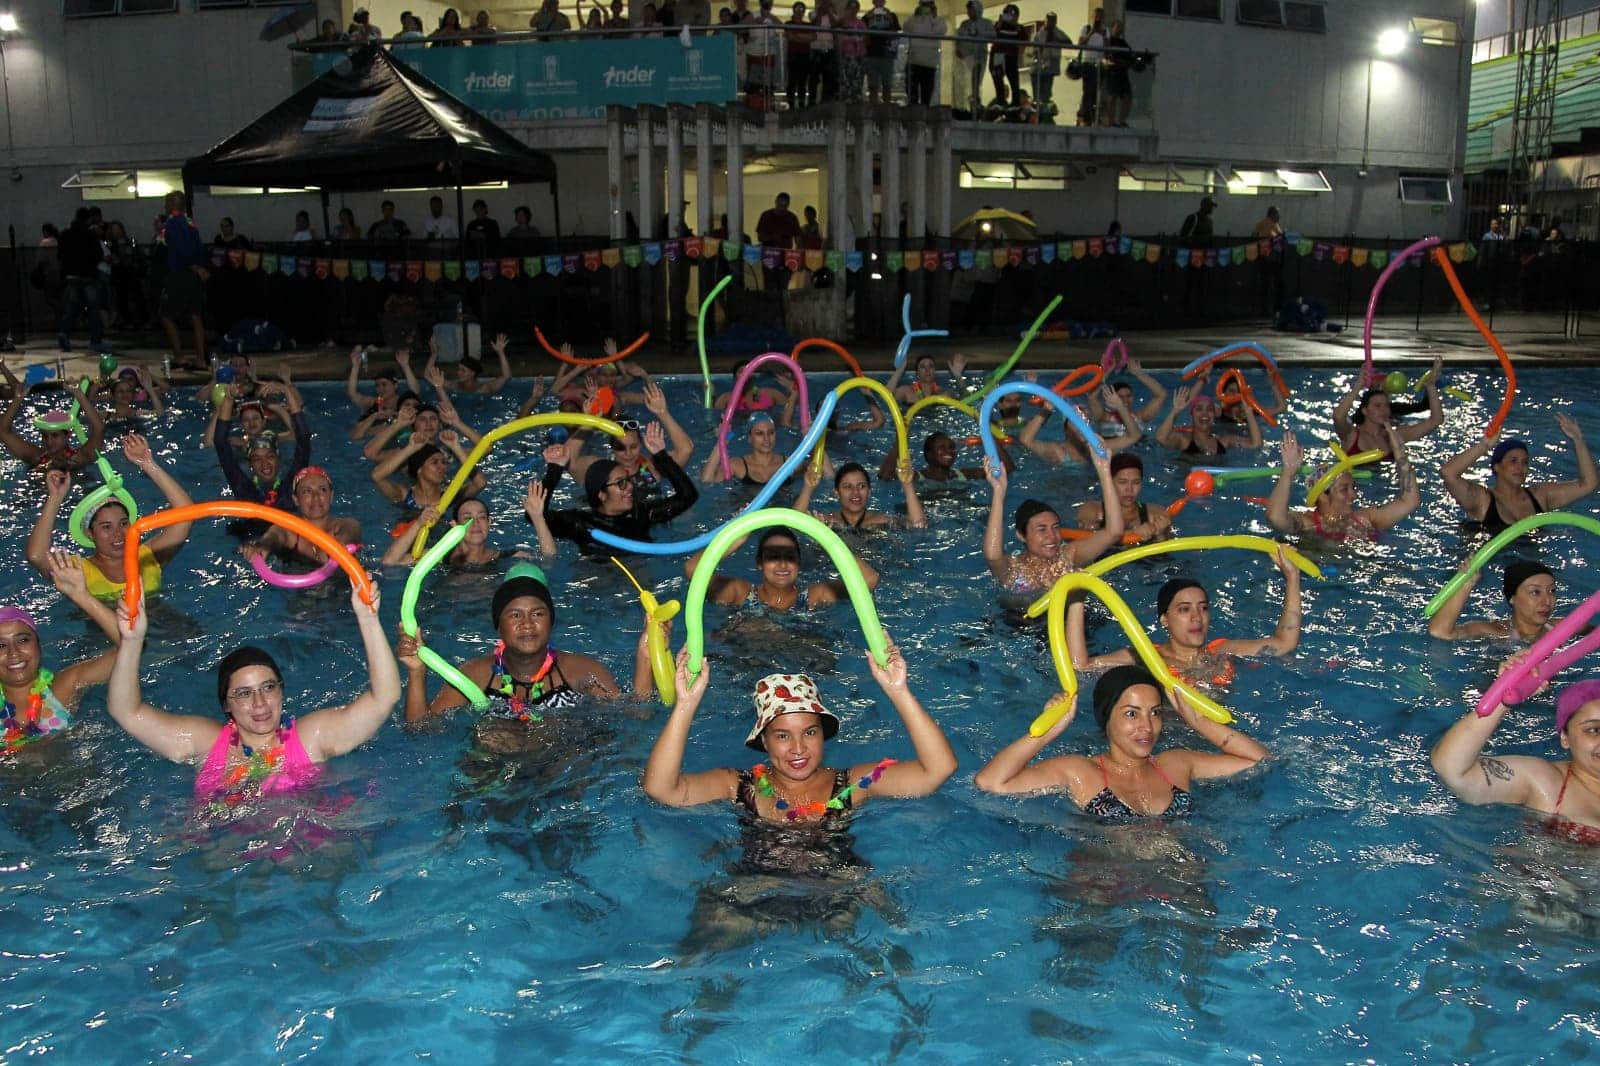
(619, 16)
(761, 57)
(823, 68)
(330, 34)
(549, 19)
(852, 50)
(922, 58)
(439, 226)
(881, 51)
(483, 232)
(1093, 36)
(778, 228)
(361, 28)
(972, 51)
(523, 229)
(1116, 79)
(483, 31)
(449, 34)
(347, 229)
(693, 13)
(302, 228)
(797, 49)
(1495, 232)
(411, 33)
(595, 22)
(1047, 65)
(388, 228)
(1005, 58)
(649, 22)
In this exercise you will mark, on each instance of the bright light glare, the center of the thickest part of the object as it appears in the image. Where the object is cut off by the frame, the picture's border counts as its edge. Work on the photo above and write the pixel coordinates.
(1392, 42)
(8, 22)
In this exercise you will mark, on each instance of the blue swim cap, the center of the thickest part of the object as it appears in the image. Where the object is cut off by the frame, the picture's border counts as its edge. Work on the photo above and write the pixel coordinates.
(557, 435)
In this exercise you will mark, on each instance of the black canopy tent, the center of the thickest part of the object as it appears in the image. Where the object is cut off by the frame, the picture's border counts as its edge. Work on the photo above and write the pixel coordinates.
(372, 123)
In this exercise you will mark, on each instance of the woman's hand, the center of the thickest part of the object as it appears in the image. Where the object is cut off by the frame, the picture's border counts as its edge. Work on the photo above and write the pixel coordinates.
(406, 415)
(1181, 704)
(813, 475)
(690, 691)
(533, 503)
(499, 343)
(1290, 451)
(1180, 397)
(136, 629)
(958, 365)
(609, 346)
(360, 606)
(556, 454)
(1569, 427)
(1066, 719)
(56, 484)
(655, 439)
(891, 676)
(66, 573)
(1285, 565)
(996, 473)
(429, 516)
(655, 401)
(433, 376)
(450, 438)
(252, 552)
(137, 451)
(408, 649)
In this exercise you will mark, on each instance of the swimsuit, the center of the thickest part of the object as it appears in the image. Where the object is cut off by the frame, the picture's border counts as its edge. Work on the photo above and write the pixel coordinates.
(762, 402)
(552, 695)
(286, 768)
(1225, 673)
(102, 587)
(43, 715)
(1359, 523)
(1192, 449)
(1565, 828)
(1493, 522)
(1107, 807)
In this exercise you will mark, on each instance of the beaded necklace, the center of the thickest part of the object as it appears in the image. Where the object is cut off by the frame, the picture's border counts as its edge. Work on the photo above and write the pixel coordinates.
(30, 724)
(245, 778)
(817, 808)
(508, 684)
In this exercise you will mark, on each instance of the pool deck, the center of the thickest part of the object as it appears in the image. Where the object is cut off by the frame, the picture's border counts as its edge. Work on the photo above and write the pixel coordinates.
(1531, 340)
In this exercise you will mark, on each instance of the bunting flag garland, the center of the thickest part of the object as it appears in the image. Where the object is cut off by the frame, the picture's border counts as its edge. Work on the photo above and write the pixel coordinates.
(1224, 256)
(610, 257)
(732, 251)
(895, 261)
(395, 269)
(591, 261)
(453, 268)
(792, 258)
(358, 269)
(341, 269)
(508, 268)
(569, 264)
(1096, 247)
(834, 259)
(433, 270)
(673, 250)
(853, 261)
(1152, 253)
(691, 247)
(710, 247)
(966, 258)
(1182, 257)
(533, 266)
(652, 253)
(474, 270)
(632, 255)
(913, 261)
(1047, 252)
(552, 264)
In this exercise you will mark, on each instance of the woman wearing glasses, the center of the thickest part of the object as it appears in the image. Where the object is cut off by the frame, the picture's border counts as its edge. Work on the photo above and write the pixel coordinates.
(255, 749)
(614, 505)
(629, 452)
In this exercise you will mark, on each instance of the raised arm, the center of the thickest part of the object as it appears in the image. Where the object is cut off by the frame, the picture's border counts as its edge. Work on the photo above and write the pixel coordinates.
(684, 493)
(655, 401)
(934, 762)
(1555, 497)
(1158, 391)
(1102, 540)
(1286, 637)
(56, 485)
(1342, 426)
(1049, 451)
(399, 551)
(66, 573)
(13, 441)
(1445, 623)
(1278, 514)
(494, 385)
(179, 737)
(1134, 431)
(380, 440)
(1236, 750)
(535, 394)
(402, 356)
(916, 518)
(664, 780)
(1418, 430)
(994, 531)
(1474, 777)
(1410, 496)
(1165, 434)
(1473, 497)
(536, 505)
(166, 543)
(336, 730)
(362, 403)
(90, 448)
(1012, 770)
(383, 474)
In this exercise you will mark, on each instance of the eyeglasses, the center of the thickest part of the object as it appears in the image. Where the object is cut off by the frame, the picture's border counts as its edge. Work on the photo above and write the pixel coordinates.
(266, 690)
(628, 480)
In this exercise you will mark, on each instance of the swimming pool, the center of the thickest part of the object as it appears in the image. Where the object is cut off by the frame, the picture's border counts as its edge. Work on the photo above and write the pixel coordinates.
(1335, 905)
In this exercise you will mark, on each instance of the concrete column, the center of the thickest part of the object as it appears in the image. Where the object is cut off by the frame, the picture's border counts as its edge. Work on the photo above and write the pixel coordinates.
(616, 164)
(674, 170)
(838, 184)
(704, 159)
(649, 174)
(891, 190)
(864, 148)
(917, 175)
(943, 178)
(735, 178)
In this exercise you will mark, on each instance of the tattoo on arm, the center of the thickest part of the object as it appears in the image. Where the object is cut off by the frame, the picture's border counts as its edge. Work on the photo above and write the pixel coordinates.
(1495, 770)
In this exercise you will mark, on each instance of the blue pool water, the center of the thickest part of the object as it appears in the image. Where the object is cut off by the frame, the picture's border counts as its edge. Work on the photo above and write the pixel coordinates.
(1336, 905)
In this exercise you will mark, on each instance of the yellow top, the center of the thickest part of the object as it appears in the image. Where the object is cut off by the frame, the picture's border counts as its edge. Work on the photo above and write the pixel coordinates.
(103, 588)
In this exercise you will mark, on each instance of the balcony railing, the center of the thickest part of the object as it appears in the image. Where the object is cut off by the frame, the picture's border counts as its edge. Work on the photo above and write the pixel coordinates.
(527, 77)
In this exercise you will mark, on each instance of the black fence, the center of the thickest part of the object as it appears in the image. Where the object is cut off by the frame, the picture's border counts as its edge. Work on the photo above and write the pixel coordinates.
(584, 288)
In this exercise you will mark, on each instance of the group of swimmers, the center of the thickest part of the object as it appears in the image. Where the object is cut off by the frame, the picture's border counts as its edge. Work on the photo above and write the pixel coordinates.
(253, 746)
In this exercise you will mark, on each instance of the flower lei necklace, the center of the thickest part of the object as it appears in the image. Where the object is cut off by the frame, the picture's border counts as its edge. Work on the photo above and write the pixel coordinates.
(534, 685)
(26, 727)
(245, 778)
(817, 808)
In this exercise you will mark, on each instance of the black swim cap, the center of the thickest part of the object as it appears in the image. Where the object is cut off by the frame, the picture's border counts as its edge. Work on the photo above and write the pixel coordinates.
(1520, 571)
(1117, 680)
(237, 660)
(523, 579)
(778, 533)
(596, 477)
(1028, 510)
(415, 460)
(1170, 590)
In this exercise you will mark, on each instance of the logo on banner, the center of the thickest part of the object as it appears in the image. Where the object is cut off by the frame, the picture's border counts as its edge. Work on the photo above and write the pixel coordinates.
(252, 260)
(930, 260)
(491, 82)
(1341, 253)
(1030, 255)
(219, 256)
(767, 257)
(508, 268)
(814, 259)
(1014, 255)
(269, 262)
(303, 267)
(552, 264)
(673, 250)
(322, 269)
(732, 251)
(452, 270)
(853, 261)
(1224, 256)
(591, 261)
(1136, 249)
(413, 270)
(236, 257)
(1126, 245)
(835, 260)
(791, 258)
(913, 260)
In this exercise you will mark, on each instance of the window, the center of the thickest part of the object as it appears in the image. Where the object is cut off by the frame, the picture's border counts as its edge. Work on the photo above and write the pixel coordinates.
(1146, 177)
(1149, 7)
(1436, 31)
(125, 184)
(1200, 9)
(1279, 182)
(1424, 189)
(148, 7)
(1305, 15)
(1023, 174)
(82, 9)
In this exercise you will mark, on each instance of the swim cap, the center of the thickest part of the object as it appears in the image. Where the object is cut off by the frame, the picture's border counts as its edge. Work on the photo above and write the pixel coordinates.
(308, 471)
(1126, 461)
(1505, 448)
(523, 579)
(1113, 683)
(596, 477)
(265, 440)
(89, 516)
(1028, 510)
(757, 418)
(17, 614)
(788, 694)
(1520, 571)
(237, 660)
(776, 532)
(420, 456)
(1170, 590)
(1572, 698)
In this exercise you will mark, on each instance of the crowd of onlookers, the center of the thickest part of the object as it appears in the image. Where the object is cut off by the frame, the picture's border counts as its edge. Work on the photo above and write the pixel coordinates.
(841, 50)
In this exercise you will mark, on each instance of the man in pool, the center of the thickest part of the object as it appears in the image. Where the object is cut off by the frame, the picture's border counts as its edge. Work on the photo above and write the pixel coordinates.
(312, 490)
(1530, 590)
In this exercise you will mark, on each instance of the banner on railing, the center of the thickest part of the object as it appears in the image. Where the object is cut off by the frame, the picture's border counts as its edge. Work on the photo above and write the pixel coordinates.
(574, 77)
(653, 253)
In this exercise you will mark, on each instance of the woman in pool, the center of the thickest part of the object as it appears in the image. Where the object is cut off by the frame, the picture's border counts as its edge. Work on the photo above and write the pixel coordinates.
(854, 489)
(1073, 447)
(925, 379)
(312, 491)
(628, 452)
(526, 677)
(791, 728)
(1368, 427)
(474, 549)
(1509, 497)
(39, 703)
(1116, 426)
(613, 504)
(1129, 781)
(1335, 516)
(939, 452)
(1530, 589)
(427, 472)
(1568, 793)
(386, 396)
(1044, 558)
(107, 525)
(124, 395)
(1185, 612)
(56, 449)
(254, 749)
(406, 405)
(1127, 474)
(755, 467)
(1201, 440)
(779, 402)
(778, 558)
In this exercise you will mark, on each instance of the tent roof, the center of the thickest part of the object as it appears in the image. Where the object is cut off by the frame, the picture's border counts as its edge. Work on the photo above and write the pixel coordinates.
(371, 123)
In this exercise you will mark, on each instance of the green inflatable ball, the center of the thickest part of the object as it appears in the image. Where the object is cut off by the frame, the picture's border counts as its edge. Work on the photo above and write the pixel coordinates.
(1396, 381)
(108, 364)
(218, 394)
